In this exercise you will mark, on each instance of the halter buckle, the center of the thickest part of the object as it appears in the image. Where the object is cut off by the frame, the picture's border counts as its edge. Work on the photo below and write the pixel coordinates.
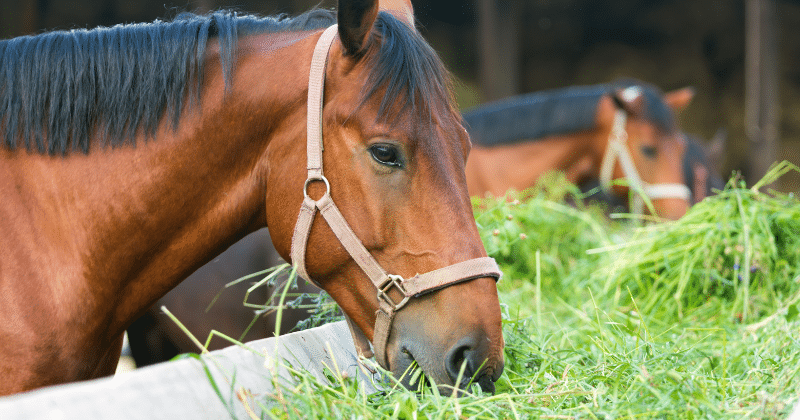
(393, 280)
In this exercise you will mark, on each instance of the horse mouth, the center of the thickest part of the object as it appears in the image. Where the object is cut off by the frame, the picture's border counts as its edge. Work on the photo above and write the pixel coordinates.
(412, 375)
(409, 372)
(485, 379)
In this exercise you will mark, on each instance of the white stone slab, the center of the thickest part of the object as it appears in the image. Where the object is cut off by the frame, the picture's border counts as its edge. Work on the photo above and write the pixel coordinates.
(796, 413)
(182, 390)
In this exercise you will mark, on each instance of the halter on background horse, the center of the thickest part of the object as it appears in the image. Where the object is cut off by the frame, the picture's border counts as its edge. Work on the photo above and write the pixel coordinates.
(626, 128)
(92, 239)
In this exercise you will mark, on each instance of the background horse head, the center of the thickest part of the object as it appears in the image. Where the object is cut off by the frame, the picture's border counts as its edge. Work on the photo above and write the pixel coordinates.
(701, 165)
(203, 120)
(520, 138)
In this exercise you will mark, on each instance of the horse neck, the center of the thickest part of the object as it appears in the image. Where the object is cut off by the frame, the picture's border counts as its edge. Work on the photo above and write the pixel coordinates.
(518, 166)
(135, 221)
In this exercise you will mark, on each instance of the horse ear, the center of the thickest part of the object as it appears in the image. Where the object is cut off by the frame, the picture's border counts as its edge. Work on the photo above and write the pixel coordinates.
(401, 9)
(679, 99)
(630, 99)
(355, 18)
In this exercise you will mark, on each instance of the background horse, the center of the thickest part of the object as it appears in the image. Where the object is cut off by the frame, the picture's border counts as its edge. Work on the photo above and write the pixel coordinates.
(132, 155)
(518, 139)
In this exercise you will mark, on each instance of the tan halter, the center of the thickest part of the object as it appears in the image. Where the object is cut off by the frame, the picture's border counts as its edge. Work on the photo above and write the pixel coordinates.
(618, 148)
(408, 288)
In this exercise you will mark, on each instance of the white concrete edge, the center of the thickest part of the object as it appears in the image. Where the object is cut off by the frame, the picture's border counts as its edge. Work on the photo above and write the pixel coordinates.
(181, 389)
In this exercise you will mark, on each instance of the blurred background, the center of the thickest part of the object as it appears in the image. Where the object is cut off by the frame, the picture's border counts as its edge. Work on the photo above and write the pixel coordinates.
(739, 55)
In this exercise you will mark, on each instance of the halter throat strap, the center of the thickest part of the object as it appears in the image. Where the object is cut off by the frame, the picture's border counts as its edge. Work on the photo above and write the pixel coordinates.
(384, 282)
(618, 149)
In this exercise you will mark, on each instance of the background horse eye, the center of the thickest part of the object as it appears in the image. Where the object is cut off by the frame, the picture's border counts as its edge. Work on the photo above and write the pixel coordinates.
(650, 151)
(385, 154)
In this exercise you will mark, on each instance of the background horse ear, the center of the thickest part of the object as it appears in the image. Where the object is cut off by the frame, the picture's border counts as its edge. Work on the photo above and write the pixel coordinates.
(355, 18)
(679, 99)
(401, 9)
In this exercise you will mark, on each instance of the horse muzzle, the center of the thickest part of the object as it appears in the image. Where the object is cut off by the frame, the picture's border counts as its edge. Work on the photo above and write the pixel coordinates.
(452, 336)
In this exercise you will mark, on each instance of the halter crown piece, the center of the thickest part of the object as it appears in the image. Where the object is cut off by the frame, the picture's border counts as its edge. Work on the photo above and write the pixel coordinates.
(618, 148)
(407, 288)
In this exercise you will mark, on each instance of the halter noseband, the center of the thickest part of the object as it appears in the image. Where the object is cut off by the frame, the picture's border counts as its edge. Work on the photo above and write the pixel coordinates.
(618, 148)
(408, 288)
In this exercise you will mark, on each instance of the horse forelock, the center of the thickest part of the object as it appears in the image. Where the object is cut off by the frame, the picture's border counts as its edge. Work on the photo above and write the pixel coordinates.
(656, 111)
(410, 86)
(61, 89)
(408, 74)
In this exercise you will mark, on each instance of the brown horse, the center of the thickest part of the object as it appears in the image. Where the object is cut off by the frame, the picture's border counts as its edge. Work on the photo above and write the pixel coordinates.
(135, 154)
(572, 130)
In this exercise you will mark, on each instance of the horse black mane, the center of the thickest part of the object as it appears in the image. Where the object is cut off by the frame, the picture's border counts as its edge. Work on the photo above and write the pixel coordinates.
(60, 89)
(559, 111)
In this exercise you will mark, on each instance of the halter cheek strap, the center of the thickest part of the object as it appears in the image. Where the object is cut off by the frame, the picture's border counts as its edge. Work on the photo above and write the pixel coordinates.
(385, 283)
(618, 148)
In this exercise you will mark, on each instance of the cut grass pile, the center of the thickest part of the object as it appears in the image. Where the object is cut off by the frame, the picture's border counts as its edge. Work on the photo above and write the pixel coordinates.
(690, 319)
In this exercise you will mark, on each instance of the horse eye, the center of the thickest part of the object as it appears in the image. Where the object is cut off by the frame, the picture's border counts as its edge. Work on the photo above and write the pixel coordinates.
(385, 154)
(650, 151)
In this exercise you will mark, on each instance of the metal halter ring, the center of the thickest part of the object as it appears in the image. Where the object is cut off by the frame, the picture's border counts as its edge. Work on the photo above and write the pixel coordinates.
(316, 178)
(383, 291)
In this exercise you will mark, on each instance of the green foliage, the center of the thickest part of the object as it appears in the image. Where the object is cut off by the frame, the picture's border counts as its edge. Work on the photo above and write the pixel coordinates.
(694, 319)
(741, 246)
(546, 220)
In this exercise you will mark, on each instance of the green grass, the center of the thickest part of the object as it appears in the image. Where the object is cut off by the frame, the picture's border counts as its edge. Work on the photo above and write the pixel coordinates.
(604, 319)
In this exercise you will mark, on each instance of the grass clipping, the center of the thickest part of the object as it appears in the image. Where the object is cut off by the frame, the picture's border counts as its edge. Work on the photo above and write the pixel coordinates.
(610, 319)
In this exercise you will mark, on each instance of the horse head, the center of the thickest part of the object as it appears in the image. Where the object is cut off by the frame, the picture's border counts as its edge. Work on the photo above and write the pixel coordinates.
(394, 160)
(646, 141)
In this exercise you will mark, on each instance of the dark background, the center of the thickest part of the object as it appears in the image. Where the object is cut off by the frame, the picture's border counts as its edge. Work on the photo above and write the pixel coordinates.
(540, 44)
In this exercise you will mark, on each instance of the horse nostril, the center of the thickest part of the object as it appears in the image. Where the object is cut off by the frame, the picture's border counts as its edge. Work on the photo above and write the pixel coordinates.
(473, 353)
(456, 358)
